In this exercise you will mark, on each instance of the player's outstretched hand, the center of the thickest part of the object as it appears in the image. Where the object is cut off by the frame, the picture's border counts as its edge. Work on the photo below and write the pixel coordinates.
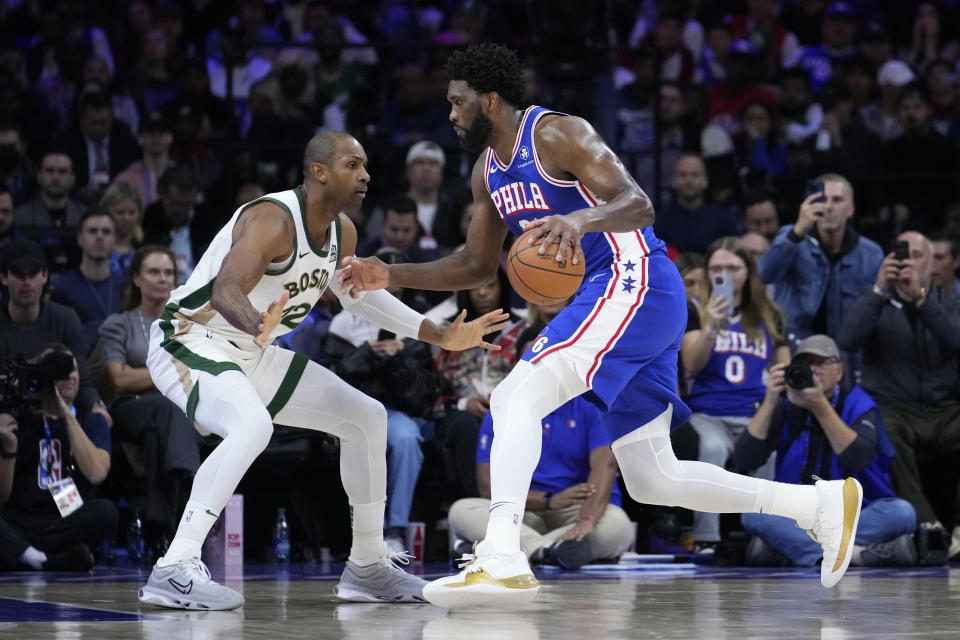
(270, 319)
(363, 274)
(565, 229)
(462, 335)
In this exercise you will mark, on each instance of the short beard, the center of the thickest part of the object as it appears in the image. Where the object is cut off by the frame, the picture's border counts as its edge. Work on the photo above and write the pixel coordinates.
(476, 137)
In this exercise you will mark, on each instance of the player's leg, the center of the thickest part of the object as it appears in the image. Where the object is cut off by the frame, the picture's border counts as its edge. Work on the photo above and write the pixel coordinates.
(653, 474)
(518, 405)
(501, 574)
(225, 404)
(312, 397)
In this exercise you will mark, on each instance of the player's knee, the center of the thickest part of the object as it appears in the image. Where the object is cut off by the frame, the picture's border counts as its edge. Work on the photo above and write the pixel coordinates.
(371, 417)
(256, 434)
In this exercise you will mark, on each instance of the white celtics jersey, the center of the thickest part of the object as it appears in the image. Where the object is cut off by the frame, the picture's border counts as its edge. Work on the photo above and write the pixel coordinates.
(305, 274)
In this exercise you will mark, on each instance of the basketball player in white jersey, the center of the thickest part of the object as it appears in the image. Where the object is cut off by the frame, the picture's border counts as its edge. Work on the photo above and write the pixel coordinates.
(211, 354)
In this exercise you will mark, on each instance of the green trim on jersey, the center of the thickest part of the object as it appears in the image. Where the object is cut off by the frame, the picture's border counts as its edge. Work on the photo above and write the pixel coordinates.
(196, 299)
(293, 258)
(306, 229)
(182, 353)
(290, 380)
(338, 225)
(192, 400)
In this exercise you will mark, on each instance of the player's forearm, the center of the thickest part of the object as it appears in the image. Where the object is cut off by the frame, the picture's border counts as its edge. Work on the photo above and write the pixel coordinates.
(626, 212)
(455, 272)
(230, 301)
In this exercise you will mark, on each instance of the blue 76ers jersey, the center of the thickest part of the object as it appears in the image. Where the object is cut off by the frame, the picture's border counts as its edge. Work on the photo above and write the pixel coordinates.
(522, 191)
(734, 376)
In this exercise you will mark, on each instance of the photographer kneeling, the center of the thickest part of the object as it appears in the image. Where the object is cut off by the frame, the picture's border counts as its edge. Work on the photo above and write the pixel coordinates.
(822, 430)
(44, 523)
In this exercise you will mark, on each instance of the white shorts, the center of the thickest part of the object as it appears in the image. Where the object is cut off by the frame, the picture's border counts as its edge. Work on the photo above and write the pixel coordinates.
(175, 363)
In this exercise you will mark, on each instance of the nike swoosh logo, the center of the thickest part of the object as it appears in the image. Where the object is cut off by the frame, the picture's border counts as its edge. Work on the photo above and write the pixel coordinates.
(212, 513)
(182, 588)
(493, 169)
(305, 253)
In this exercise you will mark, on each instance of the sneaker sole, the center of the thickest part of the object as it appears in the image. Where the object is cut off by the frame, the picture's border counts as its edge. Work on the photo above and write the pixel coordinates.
(156, 597)
(852, 503)
(353, 593)
(479, 595)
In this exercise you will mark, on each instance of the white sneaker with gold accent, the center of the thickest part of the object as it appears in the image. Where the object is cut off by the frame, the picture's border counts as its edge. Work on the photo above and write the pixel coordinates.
(487, 578)
(835, 527)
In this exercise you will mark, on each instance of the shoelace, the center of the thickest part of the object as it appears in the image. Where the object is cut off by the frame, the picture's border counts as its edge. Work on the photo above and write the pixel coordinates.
(466, 560)
(395, 558)
(196, 569)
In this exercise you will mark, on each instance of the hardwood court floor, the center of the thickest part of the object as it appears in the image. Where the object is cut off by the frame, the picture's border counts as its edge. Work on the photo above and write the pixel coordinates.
(653, 601)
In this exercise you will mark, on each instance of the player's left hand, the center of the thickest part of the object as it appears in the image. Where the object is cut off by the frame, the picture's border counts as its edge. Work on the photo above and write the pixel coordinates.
(462, 335)
(270, 319)
(578, 531)
(567, 229)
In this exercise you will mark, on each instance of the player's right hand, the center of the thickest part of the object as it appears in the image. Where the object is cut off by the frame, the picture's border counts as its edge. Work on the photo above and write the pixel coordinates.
(810, 212)
(270, 319)
(363, 274)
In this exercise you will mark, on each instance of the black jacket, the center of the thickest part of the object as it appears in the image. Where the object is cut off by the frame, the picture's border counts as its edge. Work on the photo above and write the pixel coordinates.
(909, 353)
(408, 381)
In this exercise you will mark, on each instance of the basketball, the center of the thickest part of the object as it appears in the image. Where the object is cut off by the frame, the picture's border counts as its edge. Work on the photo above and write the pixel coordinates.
(538, 277)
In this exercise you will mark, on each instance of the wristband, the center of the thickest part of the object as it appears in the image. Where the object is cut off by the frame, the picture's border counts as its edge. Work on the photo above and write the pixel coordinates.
(547, 497)
(588, 519)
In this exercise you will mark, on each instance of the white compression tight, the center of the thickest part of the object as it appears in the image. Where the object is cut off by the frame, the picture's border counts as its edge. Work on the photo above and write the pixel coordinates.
(650, 469)
(230, 407)
(653, 475)
(518, 405)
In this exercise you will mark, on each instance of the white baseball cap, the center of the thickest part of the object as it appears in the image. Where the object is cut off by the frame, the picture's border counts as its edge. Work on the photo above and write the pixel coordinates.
(896, 73)
(426, 149)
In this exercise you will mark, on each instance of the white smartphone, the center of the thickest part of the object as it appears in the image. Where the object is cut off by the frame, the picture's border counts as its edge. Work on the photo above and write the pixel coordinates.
(723, 289)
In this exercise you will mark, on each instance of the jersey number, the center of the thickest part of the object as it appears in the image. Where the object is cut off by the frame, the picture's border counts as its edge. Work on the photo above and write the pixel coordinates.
(293, 316)
(735, 369)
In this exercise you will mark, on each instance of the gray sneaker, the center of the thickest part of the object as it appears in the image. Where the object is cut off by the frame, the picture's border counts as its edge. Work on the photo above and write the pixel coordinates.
(383, 581)
(187, 585)
(899, 552)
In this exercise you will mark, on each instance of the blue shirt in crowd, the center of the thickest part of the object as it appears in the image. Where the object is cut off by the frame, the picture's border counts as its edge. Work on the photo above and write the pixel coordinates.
(570, 434)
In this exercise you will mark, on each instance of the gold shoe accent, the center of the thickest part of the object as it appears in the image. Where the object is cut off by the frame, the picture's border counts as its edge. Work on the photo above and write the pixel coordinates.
(524, 581)
(850, 504)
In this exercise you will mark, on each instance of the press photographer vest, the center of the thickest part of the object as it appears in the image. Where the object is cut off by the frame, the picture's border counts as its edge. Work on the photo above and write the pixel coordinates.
(804, 450)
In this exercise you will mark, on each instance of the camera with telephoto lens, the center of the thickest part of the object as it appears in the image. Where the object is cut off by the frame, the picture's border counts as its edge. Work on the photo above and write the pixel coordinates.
(798, 375)
(24, 385)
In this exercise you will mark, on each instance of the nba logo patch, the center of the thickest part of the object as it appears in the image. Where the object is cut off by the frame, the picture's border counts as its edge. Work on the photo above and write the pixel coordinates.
(516, 519)
(571, 424)
(209, 335)
(189, 516)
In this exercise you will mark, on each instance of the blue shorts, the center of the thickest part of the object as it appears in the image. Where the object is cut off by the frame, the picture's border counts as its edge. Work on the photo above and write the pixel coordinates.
(621, 335)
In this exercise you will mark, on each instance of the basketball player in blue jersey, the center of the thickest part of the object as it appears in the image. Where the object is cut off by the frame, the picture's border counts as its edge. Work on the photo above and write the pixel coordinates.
(617, 342)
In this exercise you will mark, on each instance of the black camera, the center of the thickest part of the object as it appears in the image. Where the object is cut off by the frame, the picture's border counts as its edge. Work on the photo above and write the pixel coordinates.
(798, 375)
(25, 384)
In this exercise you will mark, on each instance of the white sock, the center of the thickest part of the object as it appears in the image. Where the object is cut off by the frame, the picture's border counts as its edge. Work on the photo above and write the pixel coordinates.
(33, 558)
(367, 522)
(797, 501)
(503, 527)
(193, 529)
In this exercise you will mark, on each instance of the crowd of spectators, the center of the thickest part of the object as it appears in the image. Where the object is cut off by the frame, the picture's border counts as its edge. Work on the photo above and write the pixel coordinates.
(809, 150)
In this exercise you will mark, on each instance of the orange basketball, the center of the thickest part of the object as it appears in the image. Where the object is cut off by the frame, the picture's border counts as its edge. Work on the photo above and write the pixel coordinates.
(538, 277)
